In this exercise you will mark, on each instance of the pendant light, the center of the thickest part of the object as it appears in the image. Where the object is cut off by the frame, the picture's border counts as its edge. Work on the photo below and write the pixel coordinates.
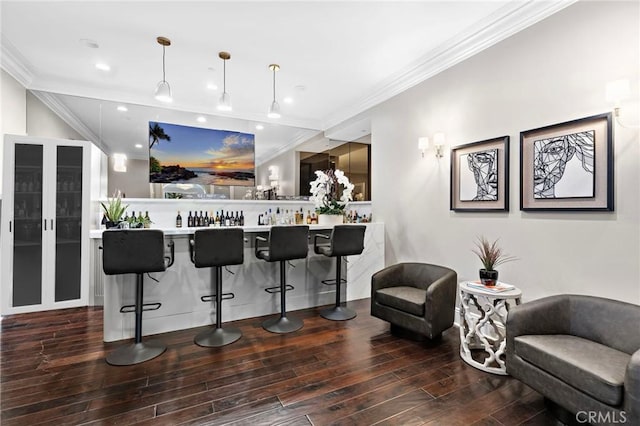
(274, 109)
(224, 103)
(163, 90)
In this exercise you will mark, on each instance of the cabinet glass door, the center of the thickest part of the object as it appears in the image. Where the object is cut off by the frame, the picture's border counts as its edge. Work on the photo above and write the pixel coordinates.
(68, 222)
(27, 222)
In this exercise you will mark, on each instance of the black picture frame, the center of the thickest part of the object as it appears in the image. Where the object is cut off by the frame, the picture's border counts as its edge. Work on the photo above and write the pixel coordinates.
(466, 194)
(568, 166)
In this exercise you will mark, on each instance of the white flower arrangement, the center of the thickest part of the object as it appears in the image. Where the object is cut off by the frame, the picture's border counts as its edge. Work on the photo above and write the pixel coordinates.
(324, 191)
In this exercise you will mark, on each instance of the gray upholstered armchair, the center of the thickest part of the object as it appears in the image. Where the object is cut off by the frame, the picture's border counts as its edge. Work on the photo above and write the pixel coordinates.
(581, 353)
(417, 297)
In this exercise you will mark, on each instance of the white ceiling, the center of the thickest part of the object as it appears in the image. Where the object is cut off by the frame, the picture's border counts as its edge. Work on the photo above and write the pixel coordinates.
(337, 58)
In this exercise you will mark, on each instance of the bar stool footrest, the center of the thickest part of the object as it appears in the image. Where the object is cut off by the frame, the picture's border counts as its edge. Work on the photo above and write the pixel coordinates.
(135, 353)
(282, 324)
(277, 289)
(145, 307)
(333, 281)
(338, 313)
(212, 297)
(217, 337)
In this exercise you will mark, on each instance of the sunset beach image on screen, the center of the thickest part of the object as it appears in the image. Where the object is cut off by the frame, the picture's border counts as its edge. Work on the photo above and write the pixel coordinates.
(185, 154)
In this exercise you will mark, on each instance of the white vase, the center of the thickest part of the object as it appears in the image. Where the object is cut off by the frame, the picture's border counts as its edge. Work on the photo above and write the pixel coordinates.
(330, 219)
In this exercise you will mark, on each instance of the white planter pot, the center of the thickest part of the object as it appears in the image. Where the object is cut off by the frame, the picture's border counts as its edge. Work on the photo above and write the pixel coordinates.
(330, 219)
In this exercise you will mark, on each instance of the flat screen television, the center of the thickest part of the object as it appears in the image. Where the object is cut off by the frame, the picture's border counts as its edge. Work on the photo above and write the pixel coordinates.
(184, 154)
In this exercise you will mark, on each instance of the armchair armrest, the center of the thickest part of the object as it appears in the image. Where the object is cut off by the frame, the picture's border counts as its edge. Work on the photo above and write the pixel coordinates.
(632, 389)
(549, 315)
(386, 277)
(442, 292)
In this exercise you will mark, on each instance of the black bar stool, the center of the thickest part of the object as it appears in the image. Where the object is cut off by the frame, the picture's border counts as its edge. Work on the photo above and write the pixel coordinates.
(137, 252)
(345, 240)
(284, 243)
(215, 248)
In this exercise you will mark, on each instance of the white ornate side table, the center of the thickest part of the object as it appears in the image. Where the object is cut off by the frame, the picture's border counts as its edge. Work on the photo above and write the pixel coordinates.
(483, 318)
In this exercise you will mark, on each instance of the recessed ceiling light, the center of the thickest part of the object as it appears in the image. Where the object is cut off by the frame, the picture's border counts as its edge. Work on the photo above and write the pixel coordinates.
(259, 126)
(288, 100)
(103, 67)
(138, 145)
(122, 108)
(201, 119)
(89, 43)
(212, 86)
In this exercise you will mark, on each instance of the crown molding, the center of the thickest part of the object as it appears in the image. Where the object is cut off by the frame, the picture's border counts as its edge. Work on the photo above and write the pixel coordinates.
(52, 102)
(14, 63)
(508, 20)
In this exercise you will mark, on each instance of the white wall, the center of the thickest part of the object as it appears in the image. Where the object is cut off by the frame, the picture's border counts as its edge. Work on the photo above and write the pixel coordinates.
(13, 111)
(552, 72)
(133, 183)
(43, 122)
(288, 165)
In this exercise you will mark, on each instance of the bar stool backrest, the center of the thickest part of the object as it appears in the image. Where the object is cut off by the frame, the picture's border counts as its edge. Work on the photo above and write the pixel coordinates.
(347, 240)
(218, 247)
(132, 251)
(288, 242)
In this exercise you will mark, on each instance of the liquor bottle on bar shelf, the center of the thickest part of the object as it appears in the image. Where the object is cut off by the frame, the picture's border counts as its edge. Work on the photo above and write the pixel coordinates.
(178, 220)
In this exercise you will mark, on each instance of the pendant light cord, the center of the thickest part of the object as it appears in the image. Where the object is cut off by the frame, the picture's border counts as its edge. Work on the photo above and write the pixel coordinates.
(274, 84)
(224, 76)
(163, 71)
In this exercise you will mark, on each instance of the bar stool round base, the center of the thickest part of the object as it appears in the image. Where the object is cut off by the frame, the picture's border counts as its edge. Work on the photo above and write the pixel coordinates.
(217, 337)
(282, 324)
(338, 313)
(135, 353)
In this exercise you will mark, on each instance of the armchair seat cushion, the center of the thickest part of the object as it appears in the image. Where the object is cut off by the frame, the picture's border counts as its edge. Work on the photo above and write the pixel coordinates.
(591, 367)
(404, 298)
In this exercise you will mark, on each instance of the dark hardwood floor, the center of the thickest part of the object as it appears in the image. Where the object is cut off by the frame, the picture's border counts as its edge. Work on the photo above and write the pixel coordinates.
(349, 373)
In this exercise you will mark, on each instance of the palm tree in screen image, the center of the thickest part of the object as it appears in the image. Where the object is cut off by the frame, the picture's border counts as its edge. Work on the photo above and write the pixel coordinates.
(157, 134)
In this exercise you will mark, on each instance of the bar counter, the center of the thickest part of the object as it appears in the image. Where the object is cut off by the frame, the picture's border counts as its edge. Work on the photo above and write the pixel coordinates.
(182, 285)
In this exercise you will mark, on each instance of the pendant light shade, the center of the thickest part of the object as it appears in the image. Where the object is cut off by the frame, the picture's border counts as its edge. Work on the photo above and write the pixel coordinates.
(163, 90)
(274, 108)
(224, 103)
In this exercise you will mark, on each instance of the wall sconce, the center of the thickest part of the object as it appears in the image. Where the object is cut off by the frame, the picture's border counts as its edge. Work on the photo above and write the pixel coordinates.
(119, 163)
(423, 144)
(438, 143)
(274, 173)
(616, 92)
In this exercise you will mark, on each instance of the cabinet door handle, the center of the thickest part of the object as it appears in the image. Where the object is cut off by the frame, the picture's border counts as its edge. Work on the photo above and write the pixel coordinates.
(9, 226)
(52, 224)
(45, 224)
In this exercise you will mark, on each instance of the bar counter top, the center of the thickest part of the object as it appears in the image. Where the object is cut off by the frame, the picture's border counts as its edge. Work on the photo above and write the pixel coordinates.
(97, 233)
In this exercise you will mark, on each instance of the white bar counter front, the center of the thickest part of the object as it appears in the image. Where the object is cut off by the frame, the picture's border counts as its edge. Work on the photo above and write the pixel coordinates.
(182, 285)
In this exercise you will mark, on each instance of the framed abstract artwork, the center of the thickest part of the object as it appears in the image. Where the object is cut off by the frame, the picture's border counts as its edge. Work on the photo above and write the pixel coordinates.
(568, 166)
(480, 176)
